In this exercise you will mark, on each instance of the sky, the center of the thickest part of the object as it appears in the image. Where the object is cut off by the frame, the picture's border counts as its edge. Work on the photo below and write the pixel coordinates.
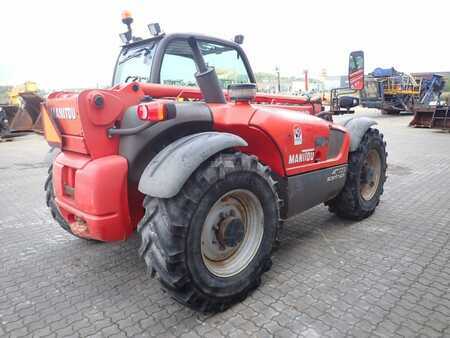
(74, 43)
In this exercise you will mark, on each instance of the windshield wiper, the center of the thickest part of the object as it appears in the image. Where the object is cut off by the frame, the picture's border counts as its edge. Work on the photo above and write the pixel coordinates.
(139, 52)
(136, 78)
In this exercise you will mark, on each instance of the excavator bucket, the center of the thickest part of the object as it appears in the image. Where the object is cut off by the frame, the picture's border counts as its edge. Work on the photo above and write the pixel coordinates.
(21, 114)
(38, 126)
(431, 117)
(21, 122)
(27, 117)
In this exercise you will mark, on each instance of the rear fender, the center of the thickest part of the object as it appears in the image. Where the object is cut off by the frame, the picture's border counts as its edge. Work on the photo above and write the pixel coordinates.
(357, 127)
(166, 174)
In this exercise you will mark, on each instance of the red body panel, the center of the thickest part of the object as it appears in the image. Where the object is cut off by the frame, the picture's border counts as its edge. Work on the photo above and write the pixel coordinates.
(269, 133)
(98, 195)
(280, 124)
(86, 133)
(235, 119)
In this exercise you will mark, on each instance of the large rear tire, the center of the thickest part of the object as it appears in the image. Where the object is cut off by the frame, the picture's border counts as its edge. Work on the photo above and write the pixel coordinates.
(366, 175)
(211, 243)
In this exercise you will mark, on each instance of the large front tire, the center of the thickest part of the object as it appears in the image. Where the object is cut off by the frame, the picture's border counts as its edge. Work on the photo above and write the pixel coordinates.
(211, 243)
(366, 175)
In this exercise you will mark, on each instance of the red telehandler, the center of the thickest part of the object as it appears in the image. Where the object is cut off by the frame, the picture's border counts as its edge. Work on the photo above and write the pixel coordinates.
(204, 176)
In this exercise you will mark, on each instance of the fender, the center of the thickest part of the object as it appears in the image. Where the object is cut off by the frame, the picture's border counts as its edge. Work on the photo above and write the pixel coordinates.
(357, 127)
(167, 172)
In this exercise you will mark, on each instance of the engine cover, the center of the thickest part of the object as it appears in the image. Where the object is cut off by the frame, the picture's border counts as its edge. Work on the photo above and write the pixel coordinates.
(306, 142)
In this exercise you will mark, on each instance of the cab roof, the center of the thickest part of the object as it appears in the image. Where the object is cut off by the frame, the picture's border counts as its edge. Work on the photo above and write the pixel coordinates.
(173, 36)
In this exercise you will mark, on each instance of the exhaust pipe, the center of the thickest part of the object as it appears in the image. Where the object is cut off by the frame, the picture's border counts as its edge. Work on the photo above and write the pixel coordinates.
(206, 76)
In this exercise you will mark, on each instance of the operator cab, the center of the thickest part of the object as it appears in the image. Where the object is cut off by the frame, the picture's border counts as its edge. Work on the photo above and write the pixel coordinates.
(168, 59)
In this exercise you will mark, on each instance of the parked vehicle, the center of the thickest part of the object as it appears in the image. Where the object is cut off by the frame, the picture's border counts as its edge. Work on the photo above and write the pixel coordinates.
(204, 176)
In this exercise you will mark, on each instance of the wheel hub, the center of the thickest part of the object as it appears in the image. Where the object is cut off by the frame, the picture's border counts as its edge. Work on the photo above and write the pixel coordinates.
(367, 175)
(370, 175)
(232, 233)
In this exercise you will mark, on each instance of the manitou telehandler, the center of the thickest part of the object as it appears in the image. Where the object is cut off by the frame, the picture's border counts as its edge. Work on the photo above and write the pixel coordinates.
(205, 176)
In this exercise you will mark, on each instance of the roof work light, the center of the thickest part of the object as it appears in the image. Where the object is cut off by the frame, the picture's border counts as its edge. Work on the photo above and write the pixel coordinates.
(154, 28)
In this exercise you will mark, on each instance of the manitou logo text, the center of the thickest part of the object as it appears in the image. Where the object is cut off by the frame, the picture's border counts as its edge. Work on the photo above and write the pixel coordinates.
(304, 156)
(67, 113)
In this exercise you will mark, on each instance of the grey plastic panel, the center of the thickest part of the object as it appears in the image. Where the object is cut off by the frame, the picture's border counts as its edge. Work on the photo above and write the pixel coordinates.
(166, 174)
(335, 143)
(357, 127)
(139, 149)
(307, 190)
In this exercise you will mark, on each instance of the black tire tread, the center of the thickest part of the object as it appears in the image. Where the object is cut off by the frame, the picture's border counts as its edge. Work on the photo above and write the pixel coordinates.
(164, 227)
(347, 204)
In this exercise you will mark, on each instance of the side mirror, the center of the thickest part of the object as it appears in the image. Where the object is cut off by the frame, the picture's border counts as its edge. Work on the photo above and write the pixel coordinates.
(347, 102)
(356, 70)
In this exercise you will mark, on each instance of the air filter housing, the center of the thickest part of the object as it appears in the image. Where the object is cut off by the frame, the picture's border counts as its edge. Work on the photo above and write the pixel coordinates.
(242, 92)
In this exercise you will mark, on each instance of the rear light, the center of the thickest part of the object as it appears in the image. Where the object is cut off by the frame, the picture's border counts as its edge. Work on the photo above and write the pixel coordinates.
(156, 111)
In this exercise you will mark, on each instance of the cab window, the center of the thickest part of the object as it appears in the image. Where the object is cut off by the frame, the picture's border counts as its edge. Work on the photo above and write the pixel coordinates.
(178, 66)
(134, 64)
(227, 61)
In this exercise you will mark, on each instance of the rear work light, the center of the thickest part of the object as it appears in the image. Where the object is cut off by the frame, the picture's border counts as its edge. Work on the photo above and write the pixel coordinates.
(156, 111)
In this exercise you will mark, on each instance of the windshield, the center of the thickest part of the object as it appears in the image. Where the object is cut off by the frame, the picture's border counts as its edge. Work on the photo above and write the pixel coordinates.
(134, 64)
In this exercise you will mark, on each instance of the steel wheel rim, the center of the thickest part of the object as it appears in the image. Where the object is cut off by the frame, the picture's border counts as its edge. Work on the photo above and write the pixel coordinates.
(370, 175)
(222, 260)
